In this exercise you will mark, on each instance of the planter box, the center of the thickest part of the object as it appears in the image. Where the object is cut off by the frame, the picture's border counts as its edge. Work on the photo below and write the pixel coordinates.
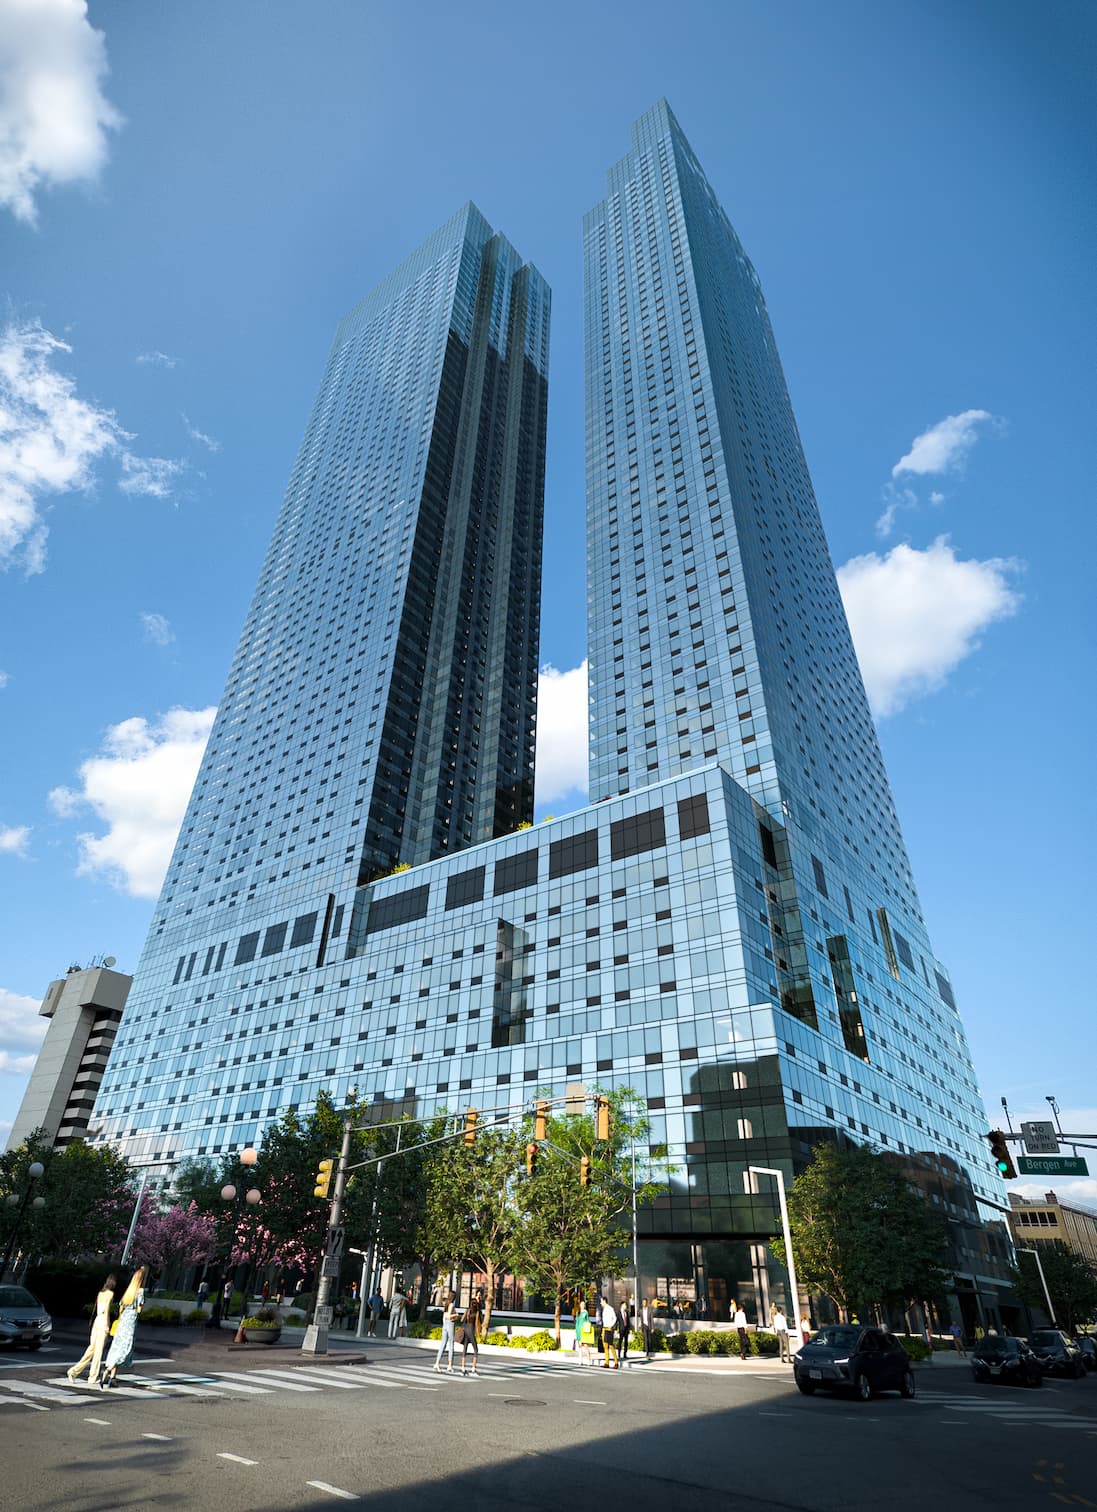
(262, 1335)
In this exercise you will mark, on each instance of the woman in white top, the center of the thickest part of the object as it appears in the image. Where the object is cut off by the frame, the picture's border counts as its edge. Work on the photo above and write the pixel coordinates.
(449, 1323)
(100, 1333)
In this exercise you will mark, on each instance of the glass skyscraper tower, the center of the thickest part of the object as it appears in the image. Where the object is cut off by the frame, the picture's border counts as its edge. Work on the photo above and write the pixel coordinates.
(730, 928)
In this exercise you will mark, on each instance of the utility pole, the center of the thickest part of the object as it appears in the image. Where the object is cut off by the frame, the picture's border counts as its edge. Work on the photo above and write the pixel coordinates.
(316, 1335)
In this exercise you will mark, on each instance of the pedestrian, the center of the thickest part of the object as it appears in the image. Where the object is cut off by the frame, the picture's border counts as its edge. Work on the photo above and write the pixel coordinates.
(375, 1304)
(470, 1329)
(805, 1328)
(598, 1324)
(582, 1323)
(647, 1324)
(203, 1293)
(739, 1322)
(266, 1291)
(226, 1297)
(281, 1290)
(449, 1323)
(624, 1324)
(609, 1330)
(780, 1327)
(121, 1345)
(100, 1333)
(957, 1333)
(992, 1332)
(398, 1309)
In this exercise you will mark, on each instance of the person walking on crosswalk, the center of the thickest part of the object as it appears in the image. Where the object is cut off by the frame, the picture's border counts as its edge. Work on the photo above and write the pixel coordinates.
(100, 1333)
(449, 1323)
(121, 1346)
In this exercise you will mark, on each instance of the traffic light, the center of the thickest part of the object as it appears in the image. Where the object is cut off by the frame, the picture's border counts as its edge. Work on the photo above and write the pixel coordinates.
(601, 1118)
(540, 1120)
(584, 1171)
(470, 1127)
(531, 1158)
(323, 1178)
(1002, 1158)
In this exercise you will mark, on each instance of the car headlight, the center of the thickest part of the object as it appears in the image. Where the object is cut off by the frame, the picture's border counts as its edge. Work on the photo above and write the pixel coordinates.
(842, 1362)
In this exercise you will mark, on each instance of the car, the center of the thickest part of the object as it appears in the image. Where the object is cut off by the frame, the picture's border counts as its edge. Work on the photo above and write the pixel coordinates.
(1006, 1359)
(1057, 1352)
(23, 1319)
(1088, 1346)
(850, 1357)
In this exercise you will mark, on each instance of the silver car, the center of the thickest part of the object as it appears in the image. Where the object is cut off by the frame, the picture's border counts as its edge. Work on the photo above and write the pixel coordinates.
(23, 1319)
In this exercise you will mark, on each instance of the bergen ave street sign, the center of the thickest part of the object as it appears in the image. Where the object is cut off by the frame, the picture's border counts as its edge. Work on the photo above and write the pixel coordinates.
(1051, 1165)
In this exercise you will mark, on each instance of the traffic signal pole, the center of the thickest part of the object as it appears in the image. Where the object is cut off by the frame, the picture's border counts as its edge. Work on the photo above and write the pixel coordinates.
(316, 1335)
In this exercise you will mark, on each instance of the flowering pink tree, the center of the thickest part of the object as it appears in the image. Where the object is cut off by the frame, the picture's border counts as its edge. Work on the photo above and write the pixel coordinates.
(177, 1238)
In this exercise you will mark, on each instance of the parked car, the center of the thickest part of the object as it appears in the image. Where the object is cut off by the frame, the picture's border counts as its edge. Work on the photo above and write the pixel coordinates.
(998, 1359)
(848, 1357)
(1088, 1345)
(23, 1319)
(1057, 1352)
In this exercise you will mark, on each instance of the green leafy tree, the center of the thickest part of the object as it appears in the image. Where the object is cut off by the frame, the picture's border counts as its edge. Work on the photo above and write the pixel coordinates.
(569, 1236)
(89, 1199)
(861, 1233)
(475, 1213)
(198, 1181)
(407, 1190)
(1071, 1280)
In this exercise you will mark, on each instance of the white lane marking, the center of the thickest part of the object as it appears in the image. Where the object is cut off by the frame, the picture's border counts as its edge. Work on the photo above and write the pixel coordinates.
(101, 1422)
(160, 1437)
(422, 1388)
(238, 1459)
(329, 1378)
(587, 1402)
(35, 1389)
(154, 1384)
(247, 1390)
(269, 1376)
(332, 1490)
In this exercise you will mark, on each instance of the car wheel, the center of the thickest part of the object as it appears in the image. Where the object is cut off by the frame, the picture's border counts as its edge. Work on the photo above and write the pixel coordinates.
(862, 1386)
(807, 1388)
(907, 1387)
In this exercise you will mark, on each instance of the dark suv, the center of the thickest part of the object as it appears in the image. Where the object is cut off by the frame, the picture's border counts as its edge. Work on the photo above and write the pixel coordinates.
(1088, 1346)
(847, 1357)
(1057, 1352)
(998, 1359)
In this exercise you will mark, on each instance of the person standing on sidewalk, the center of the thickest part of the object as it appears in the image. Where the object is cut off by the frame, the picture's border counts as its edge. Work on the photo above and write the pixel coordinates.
(203, 1293)
(609, 1330)
(739, 1322)
(100, 1333)
(375, 1304)
(398, 1311)
(957, 1333)
(624, 1326)
(449, 1323)
(647, 1325)
(582, 1323)
(780, 1328)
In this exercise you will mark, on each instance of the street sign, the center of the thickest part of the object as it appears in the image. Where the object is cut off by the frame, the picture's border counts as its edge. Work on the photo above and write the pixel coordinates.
(1040, 1138)
(1051, 1165)
(331, 1268)
(322, 1317)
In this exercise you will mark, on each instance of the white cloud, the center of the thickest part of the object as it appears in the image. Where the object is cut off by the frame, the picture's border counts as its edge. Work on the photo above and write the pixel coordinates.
(4, 679)
(138, 787)
(561, 763)
(944, 446)
(157, 629)
(51, 441)
(54, 117)
(13, 839)
(896, 500)
(915, 615)
(22, 1030)
(156, 359)
(197, 435)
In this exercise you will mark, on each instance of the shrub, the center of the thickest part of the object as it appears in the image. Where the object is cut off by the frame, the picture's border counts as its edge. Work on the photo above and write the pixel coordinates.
(537, 1342)
(763, 1343)
(65, 1288)
(658, 1341)
(419, 1329)
(726, 1342)
(916, 1349)
(197, 1315)
(699, 1341)
(497, 1336)
(161, 1317)
(266, 1317)
(676, 1344)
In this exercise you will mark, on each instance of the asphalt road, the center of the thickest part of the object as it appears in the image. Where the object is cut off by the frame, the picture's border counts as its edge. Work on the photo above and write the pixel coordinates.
(262, 1431)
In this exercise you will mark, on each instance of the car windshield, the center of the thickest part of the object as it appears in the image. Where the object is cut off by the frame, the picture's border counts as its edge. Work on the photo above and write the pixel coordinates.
(1046, 1338)
(993, 1348)
(837, 1337)
(17, 1296)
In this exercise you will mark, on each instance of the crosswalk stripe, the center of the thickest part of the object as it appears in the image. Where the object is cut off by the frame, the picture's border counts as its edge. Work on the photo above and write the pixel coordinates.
(153, 1383)
(46, 1393)
(329, 1378)
(281, 1378)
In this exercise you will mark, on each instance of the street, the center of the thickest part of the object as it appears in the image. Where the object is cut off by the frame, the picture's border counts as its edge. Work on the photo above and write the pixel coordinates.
(265, 1429)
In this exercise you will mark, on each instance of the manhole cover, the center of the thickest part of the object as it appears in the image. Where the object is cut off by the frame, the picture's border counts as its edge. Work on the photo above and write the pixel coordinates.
(523, 1402)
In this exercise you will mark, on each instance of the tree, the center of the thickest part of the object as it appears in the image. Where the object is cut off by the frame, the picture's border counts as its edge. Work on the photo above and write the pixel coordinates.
(1070, 1278)
(173, 1239)
(198, 1181)
(475, 1216)
(411, 1199)
(88, 1194)
(571, 1236)
(861, 1233)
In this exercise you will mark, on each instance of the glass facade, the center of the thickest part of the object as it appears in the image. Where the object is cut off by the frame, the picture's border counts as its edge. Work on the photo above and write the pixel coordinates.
(730, 928)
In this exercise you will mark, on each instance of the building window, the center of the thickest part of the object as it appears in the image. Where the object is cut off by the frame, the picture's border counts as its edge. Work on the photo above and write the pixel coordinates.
(399, 908)
(304, 929)
(820, 876)
(245, 950)
(466, 887)
(274, 939)
(514, 872)
(640, 833)
(575, 853)
(693, 816)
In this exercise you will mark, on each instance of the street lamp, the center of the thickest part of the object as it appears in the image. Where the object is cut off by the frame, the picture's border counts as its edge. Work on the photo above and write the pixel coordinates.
(1021, 1250)
(35, 1171)
(231, 1194)
(787, 1234)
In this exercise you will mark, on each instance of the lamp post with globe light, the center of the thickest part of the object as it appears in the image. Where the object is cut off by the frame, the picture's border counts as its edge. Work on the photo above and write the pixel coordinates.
(231, 1193)
(35, 1171)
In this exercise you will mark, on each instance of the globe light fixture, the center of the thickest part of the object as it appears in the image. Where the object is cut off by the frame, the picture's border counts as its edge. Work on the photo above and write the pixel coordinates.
(228, 1193)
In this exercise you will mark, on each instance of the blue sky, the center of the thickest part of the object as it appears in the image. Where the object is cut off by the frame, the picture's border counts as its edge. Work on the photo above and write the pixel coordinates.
(203, 190)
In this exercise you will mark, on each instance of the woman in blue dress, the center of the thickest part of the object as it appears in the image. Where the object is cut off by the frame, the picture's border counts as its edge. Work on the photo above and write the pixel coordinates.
(121, 1346)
